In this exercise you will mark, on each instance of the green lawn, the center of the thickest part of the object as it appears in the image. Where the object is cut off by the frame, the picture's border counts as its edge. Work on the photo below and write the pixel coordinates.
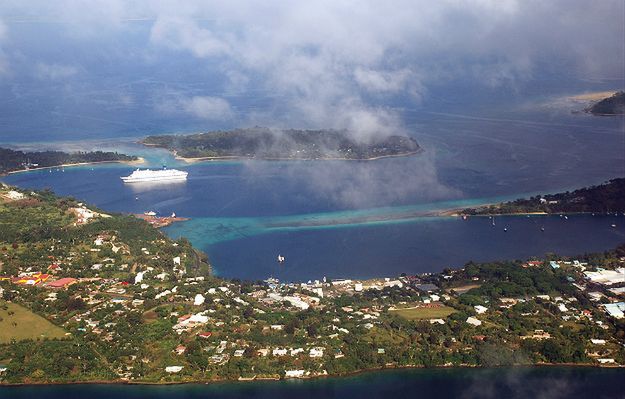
(424, 313)
(27, 324)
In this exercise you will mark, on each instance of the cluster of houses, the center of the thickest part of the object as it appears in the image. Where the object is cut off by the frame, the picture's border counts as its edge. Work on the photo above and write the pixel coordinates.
(84, 215)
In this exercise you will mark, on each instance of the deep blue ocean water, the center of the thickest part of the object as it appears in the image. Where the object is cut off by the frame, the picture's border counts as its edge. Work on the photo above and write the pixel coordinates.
(521, 383)
(365, 219)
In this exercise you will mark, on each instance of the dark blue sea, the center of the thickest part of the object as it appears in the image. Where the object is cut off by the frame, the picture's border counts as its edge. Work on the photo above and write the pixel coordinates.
(521, 383)
(367, 219)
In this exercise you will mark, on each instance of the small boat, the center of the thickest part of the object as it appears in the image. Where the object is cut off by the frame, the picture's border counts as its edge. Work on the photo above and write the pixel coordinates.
(280, 258)
(505, 229)
(613, 226)
(542, 229)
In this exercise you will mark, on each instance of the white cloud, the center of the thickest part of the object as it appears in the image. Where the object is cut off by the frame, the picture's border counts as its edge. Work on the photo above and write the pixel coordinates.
(201, 107)
(211, 108)
(179, 33)
(54, 71)
(327, 57)
(337, 62)
(4, 65)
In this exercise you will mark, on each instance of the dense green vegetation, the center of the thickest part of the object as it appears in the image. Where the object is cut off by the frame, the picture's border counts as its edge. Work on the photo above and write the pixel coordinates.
(42, 229)
(264, 143)
(120, 328)
(12, 160)
(614, 105)
(607, 197)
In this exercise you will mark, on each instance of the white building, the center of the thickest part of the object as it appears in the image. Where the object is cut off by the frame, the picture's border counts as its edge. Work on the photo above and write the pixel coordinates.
(173, 369)
(139, 277)
(316, 352)
(199, 300)
(473, 321)
(616, 310)
(279, 352)
(14, 195)
(479, 309)
(297, 351)
(294, 373)
(607, 277)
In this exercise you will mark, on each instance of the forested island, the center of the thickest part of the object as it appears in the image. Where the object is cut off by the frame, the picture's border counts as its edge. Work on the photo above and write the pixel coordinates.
(15, 160)
(614, 105)
(265, 143)
(87, 296)
(603, 198)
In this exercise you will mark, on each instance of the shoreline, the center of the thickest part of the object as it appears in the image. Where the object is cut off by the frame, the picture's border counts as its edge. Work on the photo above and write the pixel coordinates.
(455, 213)
(138, 161)
(191, 160)
(251, 158)
(356, 373)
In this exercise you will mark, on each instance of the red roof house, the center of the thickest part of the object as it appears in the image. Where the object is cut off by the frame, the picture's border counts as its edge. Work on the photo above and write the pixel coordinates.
(62, 283)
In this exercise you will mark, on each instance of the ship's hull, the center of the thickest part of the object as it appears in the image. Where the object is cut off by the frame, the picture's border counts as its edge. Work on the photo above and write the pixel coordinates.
(153, 179)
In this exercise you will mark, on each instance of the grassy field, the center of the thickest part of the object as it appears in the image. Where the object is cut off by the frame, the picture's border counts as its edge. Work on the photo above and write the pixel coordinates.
(27, 324)
(424, 313)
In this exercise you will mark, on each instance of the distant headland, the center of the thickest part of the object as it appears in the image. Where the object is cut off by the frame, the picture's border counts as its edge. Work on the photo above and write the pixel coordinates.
(613, 105)
(16, 161)
(291, 144)
(603, 198)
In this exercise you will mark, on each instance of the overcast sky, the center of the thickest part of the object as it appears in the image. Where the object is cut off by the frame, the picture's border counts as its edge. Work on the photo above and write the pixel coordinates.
(338, 62)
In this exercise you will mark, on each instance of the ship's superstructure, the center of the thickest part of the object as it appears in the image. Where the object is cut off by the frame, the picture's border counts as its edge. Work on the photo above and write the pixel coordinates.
(147, 175)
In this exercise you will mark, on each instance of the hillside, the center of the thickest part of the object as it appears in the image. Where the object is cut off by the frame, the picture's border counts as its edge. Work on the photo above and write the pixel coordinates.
(614, 105)
(91, 297)
(607, 197)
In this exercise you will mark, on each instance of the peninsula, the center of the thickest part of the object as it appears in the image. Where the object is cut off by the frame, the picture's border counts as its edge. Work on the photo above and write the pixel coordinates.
(87, 296)
(614, 105)
(603, 198)
(271, 144)
(15, 160)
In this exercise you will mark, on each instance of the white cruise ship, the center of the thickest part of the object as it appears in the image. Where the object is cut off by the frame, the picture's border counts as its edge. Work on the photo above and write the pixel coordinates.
(147, 175)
